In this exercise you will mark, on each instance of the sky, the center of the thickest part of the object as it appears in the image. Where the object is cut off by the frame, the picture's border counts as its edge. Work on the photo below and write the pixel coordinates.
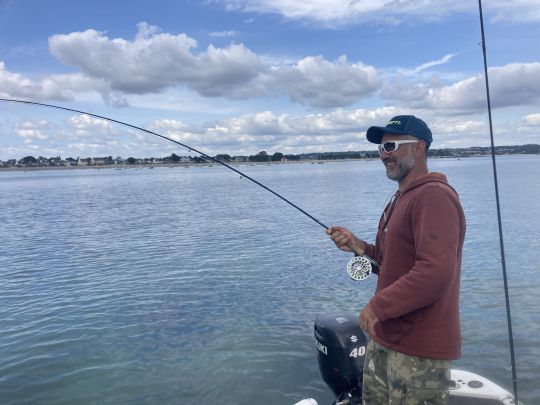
(244, 76)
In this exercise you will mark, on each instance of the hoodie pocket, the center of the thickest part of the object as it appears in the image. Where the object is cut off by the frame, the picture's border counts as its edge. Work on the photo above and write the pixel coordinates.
(395, 329)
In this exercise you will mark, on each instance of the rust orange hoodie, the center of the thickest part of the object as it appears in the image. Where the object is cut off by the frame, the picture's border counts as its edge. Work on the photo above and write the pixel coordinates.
(419, 245)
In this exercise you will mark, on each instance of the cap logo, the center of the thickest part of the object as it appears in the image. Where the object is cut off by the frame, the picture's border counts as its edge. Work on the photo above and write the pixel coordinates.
(394, 123)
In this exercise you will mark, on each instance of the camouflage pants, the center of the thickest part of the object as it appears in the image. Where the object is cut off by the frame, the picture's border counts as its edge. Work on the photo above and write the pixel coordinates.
(395, 378)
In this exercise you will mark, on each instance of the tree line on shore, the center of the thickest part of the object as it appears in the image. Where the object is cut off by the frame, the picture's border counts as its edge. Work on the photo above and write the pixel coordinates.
(262, 156)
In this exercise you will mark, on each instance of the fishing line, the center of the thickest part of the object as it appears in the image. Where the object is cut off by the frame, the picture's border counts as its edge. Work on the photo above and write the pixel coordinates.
(357, 265)
(320, 253)
(499, 220)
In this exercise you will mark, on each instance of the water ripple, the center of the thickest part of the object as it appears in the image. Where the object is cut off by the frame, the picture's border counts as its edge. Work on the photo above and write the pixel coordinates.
(178, 286)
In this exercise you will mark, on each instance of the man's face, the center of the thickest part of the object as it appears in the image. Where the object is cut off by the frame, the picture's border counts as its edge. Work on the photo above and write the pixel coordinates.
(400, 162)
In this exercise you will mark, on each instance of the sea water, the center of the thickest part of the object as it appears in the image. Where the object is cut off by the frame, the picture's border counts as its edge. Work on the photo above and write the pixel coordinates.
(194, 285)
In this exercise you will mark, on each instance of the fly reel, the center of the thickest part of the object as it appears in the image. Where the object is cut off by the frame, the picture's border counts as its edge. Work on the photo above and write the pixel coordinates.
(359, 268)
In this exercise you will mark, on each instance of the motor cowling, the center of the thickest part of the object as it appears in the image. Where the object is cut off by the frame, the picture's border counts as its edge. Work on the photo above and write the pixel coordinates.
(341, 347)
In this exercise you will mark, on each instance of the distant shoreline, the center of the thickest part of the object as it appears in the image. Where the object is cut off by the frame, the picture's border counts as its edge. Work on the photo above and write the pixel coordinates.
(233, 164)
(168, 165)
(30, 163)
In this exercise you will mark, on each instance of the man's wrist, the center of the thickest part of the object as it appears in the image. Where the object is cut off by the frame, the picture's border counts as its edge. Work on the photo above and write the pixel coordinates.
(358, 250)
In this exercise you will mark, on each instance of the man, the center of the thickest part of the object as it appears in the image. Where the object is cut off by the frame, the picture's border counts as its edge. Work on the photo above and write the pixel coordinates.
(413, 317)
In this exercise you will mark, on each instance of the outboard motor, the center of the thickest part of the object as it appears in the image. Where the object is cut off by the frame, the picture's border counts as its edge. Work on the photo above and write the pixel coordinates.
(341, 347)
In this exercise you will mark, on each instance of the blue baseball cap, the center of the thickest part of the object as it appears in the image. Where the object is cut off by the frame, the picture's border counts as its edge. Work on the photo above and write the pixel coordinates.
(401, 125)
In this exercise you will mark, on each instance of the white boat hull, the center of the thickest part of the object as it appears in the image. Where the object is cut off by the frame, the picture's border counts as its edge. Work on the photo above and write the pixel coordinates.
(466, 389)
(473, 389)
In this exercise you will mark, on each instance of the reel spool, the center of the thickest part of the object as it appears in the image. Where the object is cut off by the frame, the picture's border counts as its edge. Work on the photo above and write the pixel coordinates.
(359, 268)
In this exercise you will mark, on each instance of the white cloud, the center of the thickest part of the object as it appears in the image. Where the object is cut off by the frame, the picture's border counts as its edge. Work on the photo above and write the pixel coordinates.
(33, 130)
(515, 10)
(223, 34)
(85, 126)
(178, 130)
(400, 88)
(334, 131)
(443, 126)
(338, 12)
(510, 85)
(318, 82)
(430, 64)
(154, 62)
(339, 130)
(17, 86)
(77, 135)
(249, 133)
(56, 87)
(319, 10)
(532, 120)
(513, 84)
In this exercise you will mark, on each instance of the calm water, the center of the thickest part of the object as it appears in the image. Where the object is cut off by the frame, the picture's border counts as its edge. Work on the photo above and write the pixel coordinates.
(188, 286)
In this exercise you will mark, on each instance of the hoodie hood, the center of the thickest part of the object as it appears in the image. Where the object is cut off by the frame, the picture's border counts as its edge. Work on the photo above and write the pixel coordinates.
(430, 177)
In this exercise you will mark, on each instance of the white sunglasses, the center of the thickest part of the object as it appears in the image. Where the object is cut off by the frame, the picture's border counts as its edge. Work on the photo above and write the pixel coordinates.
(392, 146)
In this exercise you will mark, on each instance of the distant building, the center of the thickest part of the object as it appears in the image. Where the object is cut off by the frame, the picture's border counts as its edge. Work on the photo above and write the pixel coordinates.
(98, 161)
(42, 161)
(56, 161)
(85, 161)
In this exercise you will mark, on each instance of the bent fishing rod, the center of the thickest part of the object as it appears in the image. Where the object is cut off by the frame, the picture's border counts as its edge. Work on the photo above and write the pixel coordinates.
(358, 268)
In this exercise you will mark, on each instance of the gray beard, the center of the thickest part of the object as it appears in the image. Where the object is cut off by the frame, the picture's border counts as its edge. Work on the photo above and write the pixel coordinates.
(402, 168)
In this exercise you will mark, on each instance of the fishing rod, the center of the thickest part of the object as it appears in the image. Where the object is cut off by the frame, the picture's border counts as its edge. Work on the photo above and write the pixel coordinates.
(503, 260)
(358, 268)
(172, 140)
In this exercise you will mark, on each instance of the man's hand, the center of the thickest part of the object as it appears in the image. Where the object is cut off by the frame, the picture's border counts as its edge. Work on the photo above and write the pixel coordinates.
(367, 320)
(346, 240)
